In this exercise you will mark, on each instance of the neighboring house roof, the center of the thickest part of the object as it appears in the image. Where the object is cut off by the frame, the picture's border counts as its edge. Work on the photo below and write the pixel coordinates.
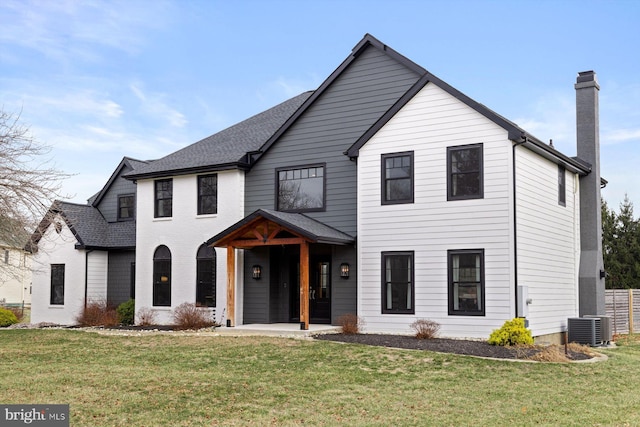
(515, 133)
(309, 228)
(89, 227)
(226, 149)
(12, 234)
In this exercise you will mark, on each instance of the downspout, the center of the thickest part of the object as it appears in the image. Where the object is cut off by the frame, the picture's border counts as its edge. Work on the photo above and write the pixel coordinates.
(86, 275)
(515, 229)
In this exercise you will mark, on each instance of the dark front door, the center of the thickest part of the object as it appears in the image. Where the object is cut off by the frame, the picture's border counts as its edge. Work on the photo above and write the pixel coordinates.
(319, 290)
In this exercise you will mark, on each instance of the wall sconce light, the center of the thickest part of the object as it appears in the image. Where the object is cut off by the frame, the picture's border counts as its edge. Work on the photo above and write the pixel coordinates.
(256, 272)
(344, 270)
(164, 279)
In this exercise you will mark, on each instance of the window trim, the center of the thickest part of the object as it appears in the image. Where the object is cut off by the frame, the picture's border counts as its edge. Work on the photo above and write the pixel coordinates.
(452, 149)
(383, 283)
(306, 166)
(562, 186)
(133, 207)
(156, 199)
(52, 285)
(383, 177)
(200, 196)
(450, 254)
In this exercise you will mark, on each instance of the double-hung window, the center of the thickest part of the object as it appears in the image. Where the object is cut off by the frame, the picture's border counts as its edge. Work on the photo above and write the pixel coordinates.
(466, 282)
(207, 194)
(126, 207)
(163, 198)
(464, 172)
(301, 189)
(398, 283)
(397, 178)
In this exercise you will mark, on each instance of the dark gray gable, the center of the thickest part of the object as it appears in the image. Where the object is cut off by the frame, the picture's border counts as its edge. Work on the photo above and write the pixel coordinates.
(350, 101)
(225, 149)
(106, 201)
(515, 133)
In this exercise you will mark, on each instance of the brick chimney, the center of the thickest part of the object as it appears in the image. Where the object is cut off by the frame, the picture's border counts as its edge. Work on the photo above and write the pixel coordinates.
(591, 276)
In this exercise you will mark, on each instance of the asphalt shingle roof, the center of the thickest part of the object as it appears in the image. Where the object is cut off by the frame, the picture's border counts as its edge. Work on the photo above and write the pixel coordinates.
(93, 231)
(225, 148)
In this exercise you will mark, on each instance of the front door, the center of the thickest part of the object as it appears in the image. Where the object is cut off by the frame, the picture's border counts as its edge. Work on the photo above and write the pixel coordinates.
(319, 290)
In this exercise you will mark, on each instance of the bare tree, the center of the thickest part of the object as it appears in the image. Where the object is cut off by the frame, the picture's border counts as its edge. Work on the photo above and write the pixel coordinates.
(29, 183)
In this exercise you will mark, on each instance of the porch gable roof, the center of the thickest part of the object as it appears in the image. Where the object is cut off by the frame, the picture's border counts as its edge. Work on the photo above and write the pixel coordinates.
(262, 227)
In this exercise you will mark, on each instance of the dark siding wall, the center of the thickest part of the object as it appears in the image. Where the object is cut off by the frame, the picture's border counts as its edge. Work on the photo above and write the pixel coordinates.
(119, 276)
(365, 90)
(343, 291)
(256, 292)
(109, 204)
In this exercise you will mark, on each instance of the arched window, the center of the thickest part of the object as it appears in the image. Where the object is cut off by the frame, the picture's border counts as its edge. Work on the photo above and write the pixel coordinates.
(162, 277)
(206, 277)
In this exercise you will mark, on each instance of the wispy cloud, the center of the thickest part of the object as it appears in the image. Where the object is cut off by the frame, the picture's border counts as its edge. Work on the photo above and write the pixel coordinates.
(156, 106)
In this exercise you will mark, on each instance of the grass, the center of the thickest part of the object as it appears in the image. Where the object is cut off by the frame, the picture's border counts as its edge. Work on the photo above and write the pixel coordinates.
(182, 380)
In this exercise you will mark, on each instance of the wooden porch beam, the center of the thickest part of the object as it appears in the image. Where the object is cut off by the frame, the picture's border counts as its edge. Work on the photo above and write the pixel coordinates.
(231, 286)
(250, 243)
(304, 285)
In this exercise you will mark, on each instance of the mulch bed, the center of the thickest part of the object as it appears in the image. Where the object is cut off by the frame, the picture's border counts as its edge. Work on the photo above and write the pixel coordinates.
(444, 345)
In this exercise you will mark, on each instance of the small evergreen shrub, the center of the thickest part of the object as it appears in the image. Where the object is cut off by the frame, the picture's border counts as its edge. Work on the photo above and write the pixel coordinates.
(146, 317)
(350, 324)
(425, 329)
(97, 313)
(189, 316)
(127, 312)
(7, 318)
(512, 332)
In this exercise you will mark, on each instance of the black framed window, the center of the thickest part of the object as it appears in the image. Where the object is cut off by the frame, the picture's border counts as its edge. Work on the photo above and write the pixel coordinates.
(126, 207)
(397, 178)
(163, 198)
(207, 194)
(162, 277)
(466, 282)
(398, 283)
(562, 186)
(206, 277)
(301, 189)
(57, 284)
(464, 172)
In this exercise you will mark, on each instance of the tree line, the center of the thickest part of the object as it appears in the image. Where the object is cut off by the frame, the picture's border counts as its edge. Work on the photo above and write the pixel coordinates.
(621, 246)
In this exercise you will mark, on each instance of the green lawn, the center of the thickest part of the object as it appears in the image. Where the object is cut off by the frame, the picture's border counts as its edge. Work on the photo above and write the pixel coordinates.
(179, 380)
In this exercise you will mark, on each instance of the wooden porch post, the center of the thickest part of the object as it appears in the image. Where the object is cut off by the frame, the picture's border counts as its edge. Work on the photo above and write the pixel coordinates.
(304, 285)
(231, 286)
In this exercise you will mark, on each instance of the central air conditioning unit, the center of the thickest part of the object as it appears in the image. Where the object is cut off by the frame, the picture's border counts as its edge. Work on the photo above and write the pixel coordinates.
(585, 330)
(606, 329)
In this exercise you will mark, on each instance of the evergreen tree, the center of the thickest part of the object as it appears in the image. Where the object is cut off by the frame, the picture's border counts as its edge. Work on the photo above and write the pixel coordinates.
(621, 246)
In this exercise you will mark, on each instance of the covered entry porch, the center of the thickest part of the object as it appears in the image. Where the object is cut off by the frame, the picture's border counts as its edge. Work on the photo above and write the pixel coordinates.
(296, 269)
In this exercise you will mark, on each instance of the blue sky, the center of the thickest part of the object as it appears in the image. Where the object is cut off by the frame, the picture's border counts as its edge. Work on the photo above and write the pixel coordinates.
(99, 80)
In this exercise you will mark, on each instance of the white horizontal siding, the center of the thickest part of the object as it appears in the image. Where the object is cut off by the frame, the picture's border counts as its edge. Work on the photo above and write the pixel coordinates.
(432, 121)
(97, 266)
(548, 242)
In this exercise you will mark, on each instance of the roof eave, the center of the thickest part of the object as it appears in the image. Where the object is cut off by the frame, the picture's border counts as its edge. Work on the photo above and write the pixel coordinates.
(241, 165)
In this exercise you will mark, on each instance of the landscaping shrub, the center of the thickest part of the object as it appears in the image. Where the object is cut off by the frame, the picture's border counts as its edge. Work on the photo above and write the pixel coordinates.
(511, 333)
(7, 318)
(189, 316)
(146, 317)
(425, 329)
(127, 312)
(97, 313)
(18, 311)
(350, 324)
